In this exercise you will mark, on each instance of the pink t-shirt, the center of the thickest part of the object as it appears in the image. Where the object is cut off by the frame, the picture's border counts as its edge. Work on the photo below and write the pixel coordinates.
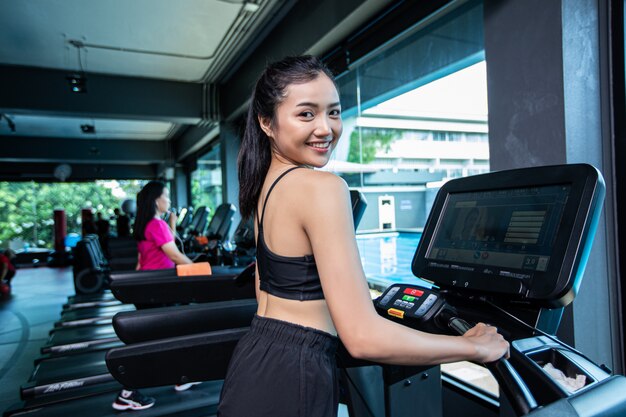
(157, 234)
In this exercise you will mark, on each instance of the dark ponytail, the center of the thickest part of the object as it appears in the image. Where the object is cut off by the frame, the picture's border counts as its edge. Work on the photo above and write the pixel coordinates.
(255, 154)
(146, 207)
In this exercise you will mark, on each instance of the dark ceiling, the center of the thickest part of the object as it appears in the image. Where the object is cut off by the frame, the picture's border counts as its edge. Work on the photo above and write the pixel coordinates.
(152, 75)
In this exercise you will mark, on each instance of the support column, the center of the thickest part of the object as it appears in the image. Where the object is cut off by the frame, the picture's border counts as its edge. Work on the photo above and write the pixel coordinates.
(180, 194)
(230, 144)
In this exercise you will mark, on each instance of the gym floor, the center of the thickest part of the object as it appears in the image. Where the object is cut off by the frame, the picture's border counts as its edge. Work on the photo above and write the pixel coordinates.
(25, 319)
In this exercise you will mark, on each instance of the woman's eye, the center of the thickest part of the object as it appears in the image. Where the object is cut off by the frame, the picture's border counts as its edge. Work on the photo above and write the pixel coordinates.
(335, 112)
(307, 114)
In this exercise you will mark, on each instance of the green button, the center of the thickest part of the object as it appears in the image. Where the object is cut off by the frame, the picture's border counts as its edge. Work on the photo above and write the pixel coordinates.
(408, 298)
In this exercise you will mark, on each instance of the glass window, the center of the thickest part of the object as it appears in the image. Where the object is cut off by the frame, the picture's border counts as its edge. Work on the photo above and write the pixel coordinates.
(415, 116)
(206, 180)
(26, 208)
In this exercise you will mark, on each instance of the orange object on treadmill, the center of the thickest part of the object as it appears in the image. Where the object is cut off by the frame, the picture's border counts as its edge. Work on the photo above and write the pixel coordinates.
(200, 268)
(202, 240)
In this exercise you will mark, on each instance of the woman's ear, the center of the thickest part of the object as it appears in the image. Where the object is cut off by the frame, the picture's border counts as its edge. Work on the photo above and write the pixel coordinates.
(266, 126)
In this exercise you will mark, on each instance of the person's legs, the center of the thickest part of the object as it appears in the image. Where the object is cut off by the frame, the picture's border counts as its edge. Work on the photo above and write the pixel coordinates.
(185, 387)
(132, 400)
(281, 369)
(9, 276)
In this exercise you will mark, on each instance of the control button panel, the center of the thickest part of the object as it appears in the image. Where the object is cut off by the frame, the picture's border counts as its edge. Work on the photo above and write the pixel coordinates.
(412, 301)
(391, 292)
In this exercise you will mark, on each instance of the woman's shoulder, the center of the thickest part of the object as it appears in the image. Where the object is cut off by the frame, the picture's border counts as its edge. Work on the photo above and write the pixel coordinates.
(156, 223)
(315, 180)
(318, 187)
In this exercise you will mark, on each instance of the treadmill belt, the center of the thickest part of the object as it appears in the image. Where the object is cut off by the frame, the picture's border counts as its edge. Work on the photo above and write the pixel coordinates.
(82, 298)
(199, 401)
(64, 336)
(69, 367)
(85, 313)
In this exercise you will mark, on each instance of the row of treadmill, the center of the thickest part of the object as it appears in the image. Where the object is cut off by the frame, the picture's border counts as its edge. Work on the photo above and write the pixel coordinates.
(507, 248)
(202, 240)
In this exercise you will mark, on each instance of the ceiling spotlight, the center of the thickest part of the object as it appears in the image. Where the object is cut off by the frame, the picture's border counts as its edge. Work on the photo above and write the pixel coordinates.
(88, 128)
(78, 83)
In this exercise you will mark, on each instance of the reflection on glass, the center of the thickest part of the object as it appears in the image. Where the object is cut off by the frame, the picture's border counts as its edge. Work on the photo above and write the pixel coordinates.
(405, 145)
(388, 257)
(206, 181)
(473, 374)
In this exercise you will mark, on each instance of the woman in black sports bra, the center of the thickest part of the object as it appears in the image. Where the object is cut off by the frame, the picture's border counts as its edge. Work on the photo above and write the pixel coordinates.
(311, 288)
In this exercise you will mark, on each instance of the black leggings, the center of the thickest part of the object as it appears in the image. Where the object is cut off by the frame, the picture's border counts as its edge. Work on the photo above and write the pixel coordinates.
(281, 369)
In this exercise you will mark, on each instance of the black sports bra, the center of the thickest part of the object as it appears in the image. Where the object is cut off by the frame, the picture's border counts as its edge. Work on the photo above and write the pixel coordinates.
(291, 277)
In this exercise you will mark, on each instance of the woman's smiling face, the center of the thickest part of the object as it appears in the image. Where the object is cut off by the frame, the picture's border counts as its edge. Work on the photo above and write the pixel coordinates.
(307, 123)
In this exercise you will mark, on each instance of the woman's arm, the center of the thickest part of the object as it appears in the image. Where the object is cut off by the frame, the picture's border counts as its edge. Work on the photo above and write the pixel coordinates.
(174, 254)
(138, 267)
(171, 222)
(328, 222)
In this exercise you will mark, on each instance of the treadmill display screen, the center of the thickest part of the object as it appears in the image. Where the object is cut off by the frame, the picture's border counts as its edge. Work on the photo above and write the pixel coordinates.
(507, 232)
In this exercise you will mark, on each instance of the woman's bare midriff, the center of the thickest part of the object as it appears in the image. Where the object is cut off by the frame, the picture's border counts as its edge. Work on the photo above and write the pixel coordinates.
(311, 313)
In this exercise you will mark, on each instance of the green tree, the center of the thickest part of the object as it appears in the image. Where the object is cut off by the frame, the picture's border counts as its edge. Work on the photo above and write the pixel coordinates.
(26, 208)
(204, 193)
(372, 141)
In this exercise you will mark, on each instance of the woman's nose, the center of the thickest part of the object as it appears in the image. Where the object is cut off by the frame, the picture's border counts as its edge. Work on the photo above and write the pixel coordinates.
(323, 127)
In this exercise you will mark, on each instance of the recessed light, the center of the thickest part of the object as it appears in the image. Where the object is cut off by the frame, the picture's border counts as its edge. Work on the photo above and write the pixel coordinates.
(78, 83)
(88, 128)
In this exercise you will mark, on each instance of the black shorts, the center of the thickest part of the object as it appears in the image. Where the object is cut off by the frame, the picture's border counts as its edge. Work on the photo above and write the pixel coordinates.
(281, 369)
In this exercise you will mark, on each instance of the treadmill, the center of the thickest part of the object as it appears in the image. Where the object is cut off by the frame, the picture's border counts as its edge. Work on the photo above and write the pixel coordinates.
(509, 249)
(89, 328)
(515, 266)
(81, 364)
(91, 314)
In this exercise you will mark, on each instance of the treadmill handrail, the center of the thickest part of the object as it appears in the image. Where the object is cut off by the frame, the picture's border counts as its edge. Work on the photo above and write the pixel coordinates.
(510, 382)
(159, 323)
(201, 357)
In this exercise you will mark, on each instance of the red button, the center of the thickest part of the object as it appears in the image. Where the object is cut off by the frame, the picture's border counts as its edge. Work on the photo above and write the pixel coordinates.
(414, 292)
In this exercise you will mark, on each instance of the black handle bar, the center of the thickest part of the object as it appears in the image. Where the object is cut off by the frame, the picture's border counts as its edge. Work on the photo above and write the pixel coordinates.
(511, 384)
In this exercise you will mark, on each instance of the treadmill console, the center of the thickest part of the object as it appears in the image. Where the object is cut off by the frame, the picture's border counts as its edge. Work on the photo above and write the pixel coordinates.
(524, 233)
(409, 302)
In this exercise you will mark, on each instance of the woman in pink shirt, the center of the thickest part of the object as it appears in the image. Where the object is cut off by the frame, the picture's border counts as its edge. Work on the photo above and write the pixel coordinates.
(157, 249)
